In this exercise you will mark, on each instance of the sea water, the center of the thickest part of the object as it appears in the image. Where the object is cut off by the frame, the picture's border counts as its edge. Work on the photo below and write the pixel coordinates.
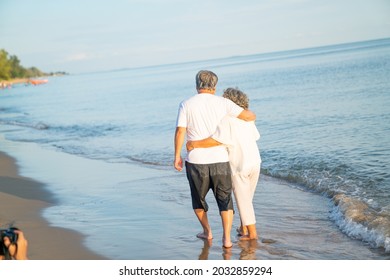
(323, 114)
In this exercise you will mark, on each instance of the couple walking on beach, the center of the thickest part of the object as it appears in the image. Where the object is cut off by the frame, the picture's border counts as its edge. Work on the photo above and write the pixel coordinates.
(222, 154)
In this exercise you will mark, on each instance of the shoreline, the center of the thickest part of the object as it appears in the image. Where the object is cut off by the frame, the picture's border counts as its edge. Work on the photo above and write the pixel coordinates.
(7, 83)
(22, 202)
(4, 84)
(85, 203)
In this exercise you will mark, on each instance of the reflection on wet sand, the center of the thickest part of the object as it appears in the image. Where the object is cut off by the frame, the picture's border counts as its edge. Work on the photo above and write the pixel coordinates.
(249, 249)
(204, 254)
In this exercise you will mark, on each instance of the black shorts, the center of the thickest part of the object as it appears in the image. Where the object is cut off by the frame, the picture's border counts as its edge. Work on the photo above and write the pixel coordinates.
(214, 176)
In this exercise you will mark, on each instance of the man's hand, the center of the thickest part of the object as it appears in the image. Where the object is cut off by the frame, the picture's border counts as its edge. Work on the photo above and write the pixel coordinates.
(247, 115)
(178, 164)
(180, 135)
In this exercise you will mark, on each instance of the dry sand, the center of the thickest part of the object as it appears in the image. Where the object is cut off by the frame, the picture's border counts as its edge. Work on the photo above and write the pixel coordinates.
(21, 202)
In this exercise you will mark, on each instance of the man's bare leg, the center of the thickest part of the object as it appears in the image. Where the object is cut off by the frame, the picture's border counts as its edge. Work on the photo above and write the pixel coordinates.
(204, 221)
(227, 222)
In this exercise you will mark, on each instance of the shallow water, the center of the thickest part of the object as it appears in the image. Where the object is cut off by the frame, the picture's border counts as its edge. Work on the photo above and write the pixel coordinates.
(322, 113)
(134, 212)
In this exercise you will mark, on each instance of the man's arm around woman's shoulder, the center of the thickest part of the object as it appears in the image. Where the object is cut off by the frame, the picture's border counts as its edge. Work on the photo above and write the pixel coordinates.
(247, 115)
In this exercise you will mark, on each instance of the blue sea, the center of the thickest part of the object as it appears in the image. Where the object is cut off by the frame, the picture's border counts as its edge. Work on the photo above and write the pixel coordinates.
(323, 114)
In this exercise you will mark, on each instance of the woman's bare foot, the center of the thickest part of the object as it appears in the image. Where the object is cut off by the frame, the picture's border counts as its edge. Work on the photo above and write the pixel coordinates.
(241, 231)
(248, 237)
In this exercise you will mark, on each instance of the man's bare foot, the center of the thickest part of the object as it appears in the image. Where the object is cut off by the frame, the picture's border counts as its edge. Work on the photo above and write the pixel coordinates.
(203, 235)
(227, 243)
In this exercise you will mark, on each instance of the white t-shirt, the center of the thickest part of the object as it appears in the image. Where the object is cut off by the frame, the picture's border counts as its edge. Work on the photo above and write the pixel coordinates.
(200, 115)
(240, 137)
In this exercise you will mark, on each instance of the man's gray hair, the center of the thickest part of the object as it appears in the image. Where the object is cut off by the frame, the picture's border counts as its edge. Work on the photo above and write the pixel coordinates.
(206, 80)
(237, 96)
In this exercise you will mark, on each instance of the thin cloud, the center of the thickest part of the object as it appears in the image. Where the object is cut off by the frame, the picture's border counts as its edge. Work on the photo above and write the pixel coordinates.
(77, 57)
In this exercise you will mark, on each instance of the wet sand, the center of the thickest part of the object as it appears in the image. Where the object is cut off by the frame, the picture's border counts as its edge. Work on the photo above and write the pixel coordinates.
(155, 220)
(21, 203)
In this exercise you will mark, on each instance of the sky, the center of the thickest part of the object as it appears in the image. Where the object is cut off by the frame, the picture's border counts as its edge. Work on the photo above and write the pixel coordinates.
(80, 36)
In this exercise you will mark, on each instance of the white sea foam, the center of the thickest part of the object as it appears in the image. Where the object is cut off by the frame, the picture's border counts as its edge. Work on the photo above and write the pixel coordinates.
(355, 219)
(38, 125)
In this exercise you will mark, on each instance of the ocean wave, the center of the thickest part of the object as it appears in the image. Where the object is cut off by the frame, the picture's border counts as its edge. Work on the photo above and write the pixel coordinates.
(356, 211)
(353, 215)
(82, 131)
(38, 125)
(156, 162)
(76, 129)
(356, 219)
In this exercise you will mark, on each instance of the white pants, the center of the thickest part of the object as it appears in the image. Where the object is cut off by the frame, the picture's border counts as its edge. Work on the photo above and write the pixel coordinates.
(244, 187)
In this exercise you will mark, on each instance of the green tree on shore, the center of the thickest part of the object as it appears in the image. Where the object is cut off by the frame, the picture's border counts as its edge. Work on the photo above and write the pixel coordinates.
(5, 66)
(10, 68)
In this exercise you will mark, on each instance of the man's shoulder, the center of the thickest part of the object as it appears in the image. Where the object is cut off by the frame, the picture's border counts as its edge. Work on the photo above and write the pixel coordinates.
(189, 99)
(203, 98)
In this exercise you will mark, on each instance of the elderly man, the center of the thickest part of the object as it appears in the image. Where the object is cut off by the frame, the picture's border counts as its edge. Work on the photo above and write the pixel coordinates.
(206, 169)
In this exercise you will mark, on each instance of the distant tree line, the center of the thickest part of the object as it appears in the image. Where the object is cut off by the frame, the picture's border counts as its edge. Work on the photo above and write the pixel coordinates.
(10, 68)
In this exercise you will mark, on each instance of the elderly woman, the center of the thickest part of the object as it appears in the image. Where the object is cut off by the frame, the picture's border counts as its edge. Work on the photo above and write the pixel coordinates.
(240, 139)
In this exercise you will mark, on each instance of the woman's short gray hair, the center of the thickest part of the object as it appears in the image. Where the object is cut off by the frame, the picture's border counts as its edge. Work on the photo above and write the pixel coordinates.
(237, 96)
(206, 80)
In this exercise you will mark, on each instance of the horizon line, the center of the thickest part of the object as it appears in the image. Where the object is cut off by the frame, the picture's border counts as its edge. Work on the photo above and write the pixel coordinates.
(230, 57)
